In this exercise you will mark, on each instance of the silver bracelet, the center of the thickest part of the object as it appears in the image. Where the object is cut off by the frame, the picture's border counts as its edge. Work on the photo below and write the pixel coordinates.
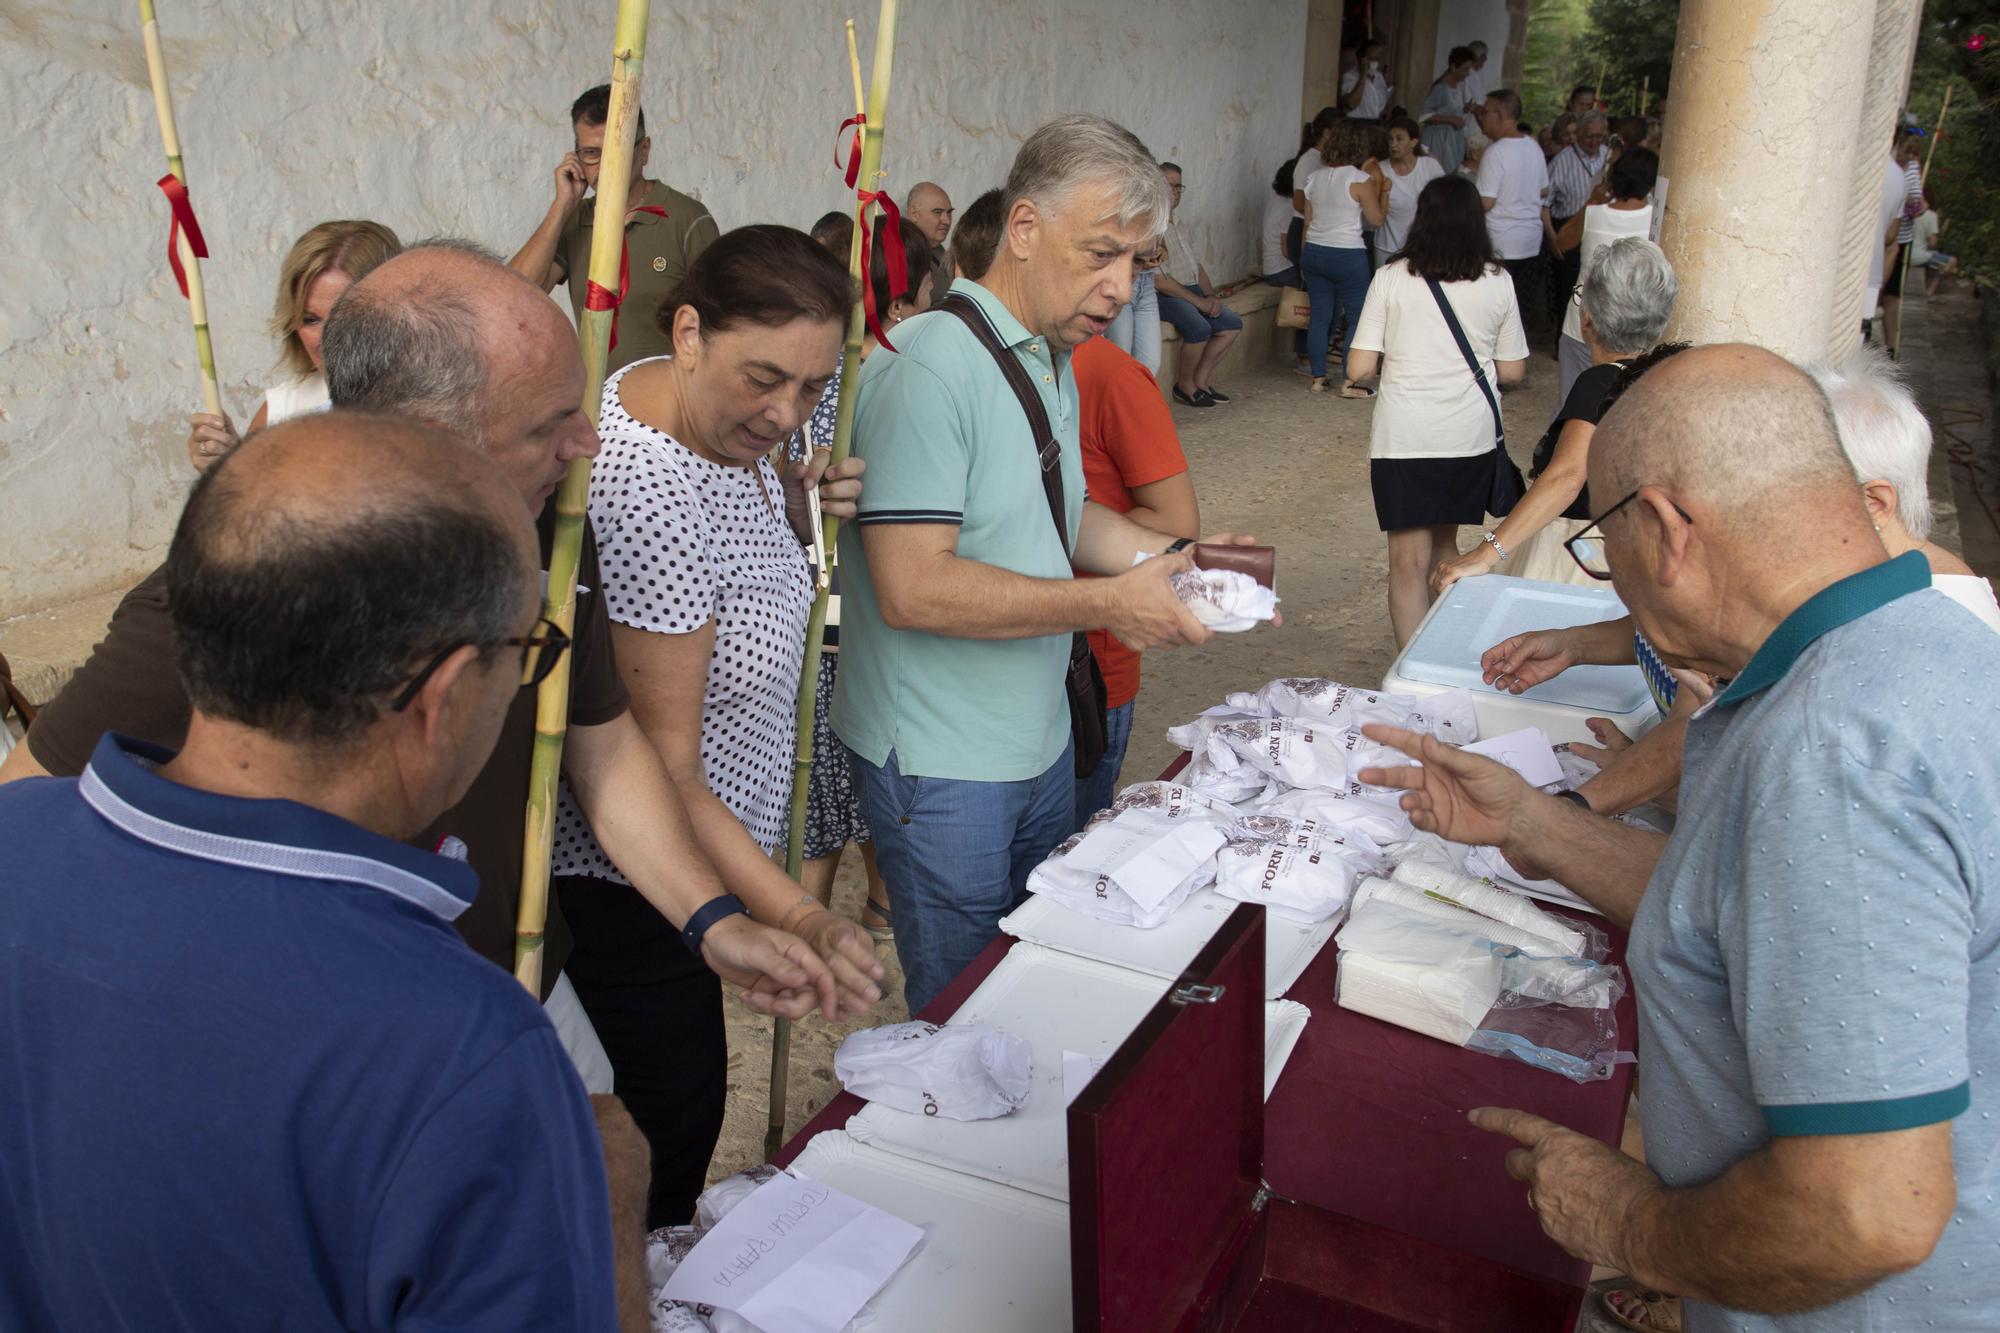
(1494, 542)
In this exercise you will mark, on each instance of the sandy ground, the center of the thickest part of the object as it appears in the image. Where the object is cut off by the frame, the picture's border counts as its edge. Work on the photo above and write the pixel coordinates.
(1290, 467)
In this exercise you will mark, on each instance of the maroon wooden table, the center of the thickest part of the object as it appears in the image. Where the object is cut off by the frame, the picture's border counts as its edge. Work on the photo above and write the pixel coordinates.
(1368, 1121)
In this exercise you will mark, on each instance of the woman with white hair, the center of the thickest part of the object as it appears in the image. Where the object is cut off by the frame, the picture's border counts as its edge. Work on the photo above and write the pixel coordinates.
(1888, 441)
(1627, 294)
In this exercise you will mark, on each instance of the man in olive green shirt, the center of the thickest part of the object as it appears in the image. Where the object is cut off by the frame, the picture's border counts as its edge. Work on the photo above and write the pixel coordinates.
(664, 231)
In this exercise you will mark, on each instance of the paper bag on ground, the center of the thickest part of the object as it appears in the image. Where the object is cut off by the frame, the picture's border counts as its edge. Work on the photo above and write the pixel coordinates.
(794, 1257)
(961, 1072)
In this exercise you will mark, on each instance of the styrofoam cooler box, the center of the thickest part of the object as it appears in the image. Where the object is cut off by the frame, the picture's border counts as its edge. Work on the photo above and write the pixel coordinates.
(1476, 613)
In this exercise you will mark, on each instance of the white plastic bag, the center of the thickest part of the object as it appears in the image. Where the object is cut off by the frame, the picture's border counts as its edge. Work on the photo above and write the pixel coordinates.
(1225, 599)
(1447, 715)
(1299, 869)
(957, 1071)
(665, 1248)
(1135, 868)
(1478, 895)
(1376, 813)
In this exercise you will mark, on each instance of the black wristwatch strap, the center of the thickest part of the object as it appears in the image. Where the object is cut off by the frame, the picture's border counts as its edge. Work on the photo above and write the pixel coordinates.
(707, 915)
(1578, 798)
(1178, 544)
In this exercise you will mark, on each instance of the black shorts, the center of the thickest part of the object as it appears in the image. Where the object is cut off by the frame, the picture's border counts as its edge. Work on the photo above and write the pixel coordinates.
(1892, 281)
(1423, 492)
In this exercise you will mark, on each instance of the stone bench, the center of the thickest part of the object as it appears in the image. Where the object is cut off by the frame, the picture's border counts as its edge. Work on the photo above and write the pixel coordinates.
(45, 648)
(1256, 303)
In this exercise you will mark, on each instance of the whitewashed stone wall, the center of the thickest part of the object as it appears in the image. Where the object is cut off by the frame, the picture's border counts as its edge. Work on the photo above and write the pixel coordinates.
(450, 118)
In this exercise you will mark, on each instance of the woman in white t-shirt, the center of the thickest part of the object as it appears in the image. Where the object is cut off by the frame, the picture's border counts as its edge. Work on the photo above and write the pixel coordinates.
(1435, 460)
(320, 266)
(1340, 198)
(1620, 207)
(1408, 170)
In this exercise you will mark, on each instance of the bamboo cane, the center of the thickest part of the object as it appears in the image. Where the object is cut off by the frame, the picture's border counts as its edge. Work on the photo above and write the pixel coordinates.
(170, 139)
(843, 437)
(572, 497)
(1923, 179)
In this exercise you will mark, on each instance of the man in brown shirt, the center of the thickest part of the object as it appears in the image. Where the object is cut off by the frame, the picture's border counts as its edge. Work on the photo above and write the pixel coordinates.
(664, 231)
(444, 333)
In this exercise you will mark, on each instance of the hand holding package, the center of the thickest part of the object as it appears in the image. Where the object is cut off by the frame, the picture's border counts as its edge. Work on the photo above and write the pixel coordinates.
(960, 1071)
(1225, 600)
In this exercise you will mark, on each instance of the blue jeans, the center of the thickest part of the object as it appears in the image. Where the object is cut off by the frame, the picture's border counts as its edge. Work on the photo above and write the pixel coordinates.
(1195, 327)
(956, 855)
(1094, 793)
(1333, 276)
(1137, 327)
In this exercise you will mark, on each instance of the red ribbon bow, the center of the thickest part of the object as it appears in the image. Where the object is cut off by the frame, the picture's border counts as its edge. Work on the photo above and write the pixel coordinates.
(597, 298)
(183, 221)
(893, 254)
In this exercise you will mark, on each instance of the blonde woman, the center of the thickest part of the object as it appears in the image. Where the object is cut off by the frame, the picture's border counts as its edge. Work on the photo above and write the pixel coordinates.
(319, 267)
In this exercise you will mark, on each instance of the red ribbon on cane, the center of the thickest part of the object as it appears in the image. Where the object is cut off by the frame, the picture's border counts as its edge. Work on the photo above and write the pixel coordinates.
(596, 297)
(893, 253)
(183, 221)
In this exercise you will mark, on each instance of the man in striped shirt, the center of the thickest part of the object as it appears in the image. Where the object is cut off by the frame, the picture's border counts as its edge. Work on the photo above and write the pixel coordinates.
(1572, 175)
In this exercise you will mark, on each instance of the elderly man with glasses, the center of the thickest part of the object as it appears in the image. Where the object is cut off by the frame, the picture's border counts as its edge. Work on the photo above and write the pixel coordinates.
(1816, 947)
(1573, 174)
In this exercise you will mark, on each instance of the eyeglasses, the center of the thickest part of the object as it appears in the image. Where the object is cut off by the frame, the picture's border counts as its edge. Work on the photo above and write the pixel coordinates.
(539, 655)
(1587, 547)
(590, 157)
(1176, 189)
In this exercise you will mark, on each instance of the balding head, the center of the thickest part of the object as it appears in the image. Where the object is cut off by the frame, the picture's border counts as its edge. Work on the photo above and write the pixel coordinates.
(930, 208)
(320, 566)
(1739, 495)
(446, 333)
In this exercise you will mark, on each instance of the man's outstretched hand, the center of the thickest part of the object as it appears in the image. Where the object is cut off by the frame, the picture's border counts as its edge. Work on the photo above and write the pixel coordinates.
(1460, 797)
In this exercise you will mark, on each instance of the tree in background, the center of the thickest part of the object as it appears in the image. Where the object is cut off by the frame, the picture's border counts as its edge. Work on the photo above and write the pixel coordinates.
(1618, 43)
(1960, 44)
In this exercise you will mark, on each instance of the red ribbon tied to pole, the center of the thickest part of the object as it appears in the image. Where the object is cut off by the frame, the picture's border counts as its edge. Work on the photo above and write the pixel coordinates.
(183, 221)
(894, 256)
(597, 298)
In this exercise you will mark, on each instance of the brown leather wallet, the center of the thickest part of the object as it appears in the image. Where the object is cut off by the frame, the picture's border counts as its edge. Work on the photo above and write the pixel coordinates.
(1259, 562)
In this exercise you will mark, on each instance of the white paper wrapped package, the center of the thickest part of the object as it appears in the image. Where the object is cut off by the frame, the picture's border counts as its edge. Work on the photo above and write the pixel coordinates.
(1450, 915)
(1169, 800)
(1447, 715)
(1135, 868)
(1478, 895)
(1298, 868)
(960, 1072)
(1225, 599)
(665, 1248)
(1376, 813)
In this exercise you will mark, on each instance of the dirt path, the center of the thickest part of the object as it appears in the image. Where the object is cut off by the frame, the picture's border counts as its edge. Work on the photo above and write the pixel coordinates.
(1279, 462)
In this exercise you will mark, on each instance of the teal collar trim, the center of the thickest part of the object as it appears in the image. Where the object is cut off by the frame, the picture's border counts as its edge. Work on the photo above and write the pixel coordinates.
(1011, 330)
(1828, 609)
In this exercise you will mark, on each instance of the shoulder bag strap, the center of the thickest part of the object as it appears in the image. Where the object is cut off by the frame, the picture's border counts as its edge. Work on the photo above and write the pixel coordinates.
(1472, 360)
(1048, 450)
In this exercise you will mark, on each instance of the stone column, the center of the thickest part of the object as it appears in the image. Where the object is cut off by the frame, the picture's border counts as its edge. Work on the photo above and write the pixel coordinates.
(1322, 76)
(1890, 51)
(1757, 195)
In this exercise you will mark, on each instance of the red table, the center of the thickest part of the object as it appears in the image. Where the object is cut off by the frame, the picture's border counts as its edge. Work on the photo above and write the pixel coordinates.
(1368, 1120)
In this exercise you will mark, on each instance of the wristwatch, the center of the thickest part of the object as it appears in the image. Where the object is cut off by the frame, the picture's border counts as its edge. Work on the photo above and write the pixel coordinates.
(1581, 801)
(1494, 542)
(1178, 544)
(707, 915)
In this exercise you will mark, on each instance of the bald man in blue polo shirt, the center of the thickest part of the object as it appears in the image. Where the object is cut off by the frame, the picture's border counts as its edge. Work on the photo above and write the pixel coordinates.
(255, 1079)
(1816, 948)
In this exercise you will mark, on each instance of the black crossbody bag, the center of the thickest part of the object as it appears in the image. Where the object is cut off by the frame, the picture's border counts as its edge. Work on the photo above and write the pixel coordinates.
(1084, 682)
(1507, 486)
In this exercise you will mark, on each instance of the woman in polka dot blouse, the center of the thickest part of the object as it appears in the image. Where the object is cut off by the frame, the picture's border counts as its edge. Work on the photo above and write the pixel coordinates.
(704, 549)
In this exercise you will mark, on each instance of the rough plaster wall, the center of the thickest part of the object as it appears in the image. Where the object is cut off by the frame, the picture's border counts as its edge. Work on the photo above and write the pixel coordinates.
(450, 118)
(1462, 22)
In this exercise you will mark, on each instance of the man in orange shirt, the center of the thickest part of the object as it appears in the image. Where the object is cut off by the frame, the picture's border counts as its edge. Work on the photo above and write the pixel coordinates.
(1132, 462)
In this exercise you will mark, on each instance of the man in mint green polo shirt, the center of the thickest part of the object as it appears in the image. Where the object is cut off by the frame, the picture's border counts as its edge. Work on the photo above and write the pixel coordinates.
(1816, 949)
(957, 617)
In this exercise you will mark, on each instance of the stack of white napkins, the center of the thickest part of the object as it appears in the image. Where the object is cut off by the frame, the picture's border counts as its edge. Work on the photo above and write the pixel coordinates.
(1137, 867)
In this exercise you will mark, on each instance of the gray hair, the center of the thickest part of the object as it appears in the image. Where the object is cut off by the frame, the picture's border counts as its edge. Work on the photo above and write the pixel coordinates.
(1592, 118)
(1506, 101)
(1074, 152)
(1628, 291)
(1477, 48)
(1882, 430)
(412, 352)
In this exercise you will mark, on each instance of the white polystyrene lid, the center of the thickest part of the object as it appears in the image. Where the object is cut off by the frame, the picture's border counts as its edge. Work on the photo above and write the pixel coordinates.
(1474, 614)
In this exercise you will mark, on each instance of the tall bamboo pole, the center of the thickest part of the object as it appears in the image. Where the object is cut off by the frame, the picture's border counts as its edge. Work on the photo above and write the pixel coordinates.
(843, 439)
(593, 331)
(1923, 179)
(170, 139)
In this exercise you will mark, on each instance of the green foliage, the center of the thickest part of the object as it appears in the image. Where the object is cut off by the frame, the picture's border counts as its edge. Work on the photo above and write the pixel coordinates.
(1632, 41)
(1962, 177)
(1554, 59)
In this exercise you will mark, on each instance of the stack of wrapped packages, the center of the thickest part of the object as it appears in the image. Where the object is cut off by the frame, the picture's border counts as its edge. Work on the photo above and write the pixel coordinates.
(1271, 810)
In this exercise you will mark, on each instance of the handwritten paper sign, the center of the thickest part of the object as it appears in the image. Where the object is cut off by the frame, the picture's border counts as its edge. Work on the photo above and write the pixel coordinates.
(795, 1257)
